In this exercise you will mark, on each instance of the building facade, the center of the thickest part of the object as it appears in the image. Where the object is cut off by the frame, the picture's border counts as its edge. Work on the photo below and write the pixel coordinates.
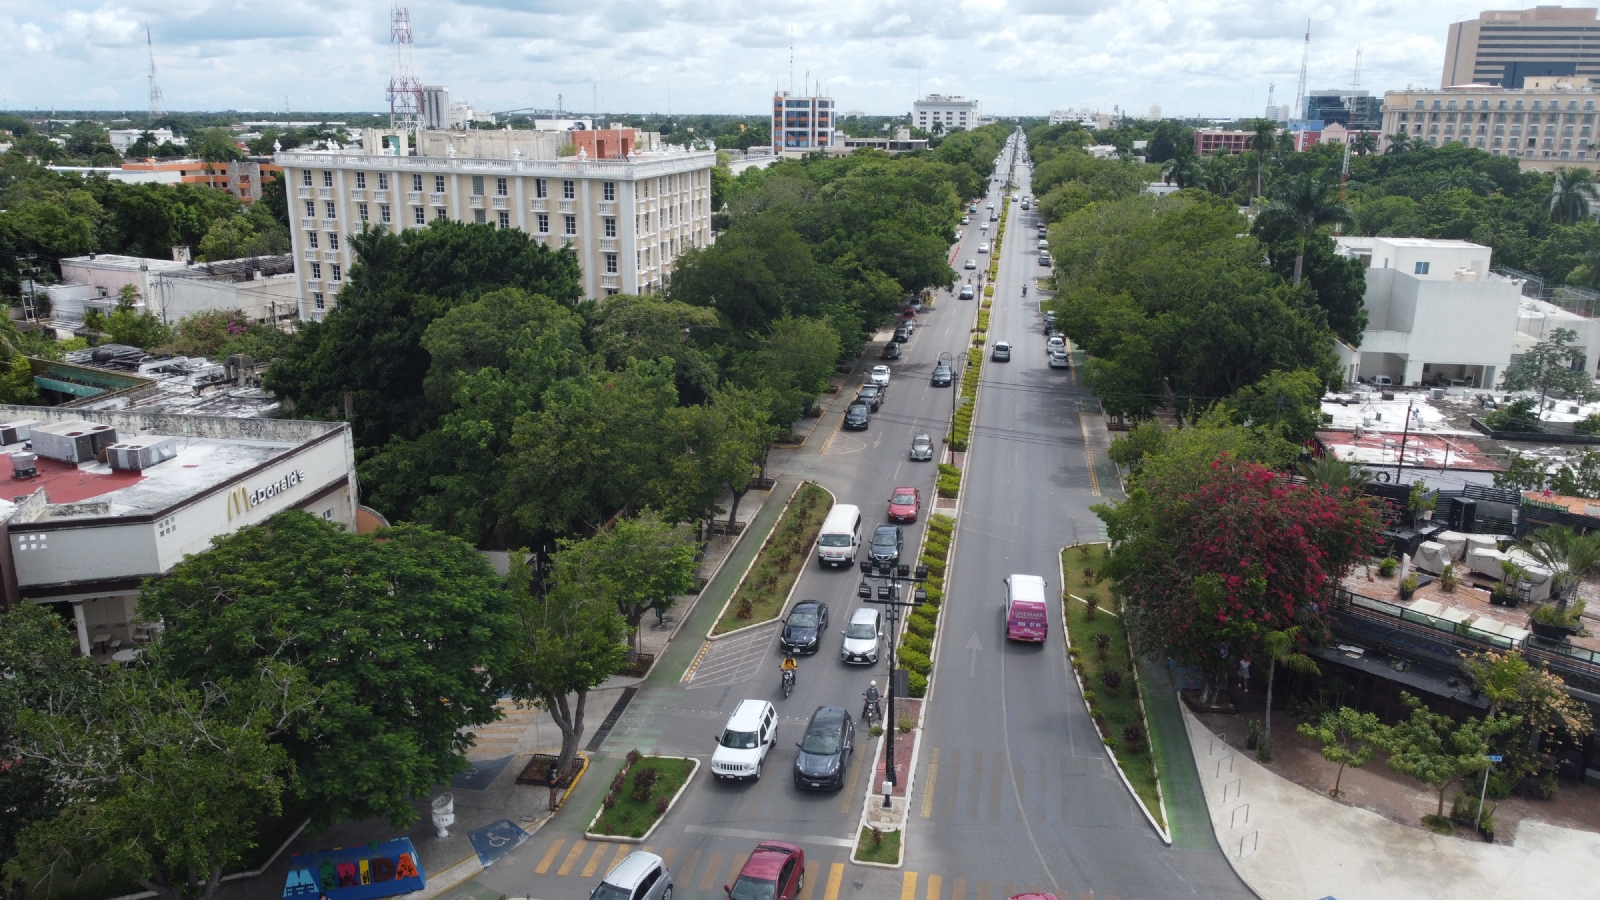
(83, 535)
(123, 138)
(1210, 140)
(1547, 123)
(802, 125)
(1355, 110)
(1506, 47)
(625, 220)
(242, 178)
(949, 111)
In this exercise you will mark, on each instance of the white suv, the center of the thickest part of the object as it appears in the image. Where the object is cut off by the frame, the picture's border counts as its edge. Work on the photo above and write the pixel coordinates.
(751, 731)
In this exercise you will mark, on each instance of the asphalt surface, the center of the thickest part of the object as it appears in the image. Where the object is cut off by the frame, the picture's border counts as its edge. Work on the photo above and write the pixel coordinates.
(1012, 788)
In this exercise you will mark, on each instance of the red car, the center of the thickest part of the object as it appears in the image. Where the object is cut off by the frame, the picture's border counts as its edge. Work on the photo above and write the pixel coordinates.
(904, 504)
(908, 313)
(775, 871)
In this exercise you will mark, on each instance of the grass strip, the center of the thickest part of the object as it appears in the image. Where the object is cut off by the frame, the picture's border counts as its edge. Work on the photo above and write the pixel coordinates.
(878, 847)
(776, 567)
(634, 808)
(1098, 646)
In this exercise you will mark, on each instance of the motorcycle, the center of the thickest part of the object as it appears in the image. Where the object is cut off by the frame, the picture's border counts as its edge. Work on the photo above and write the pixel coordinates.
(788, 682)
(1024, 291)
(871, 708)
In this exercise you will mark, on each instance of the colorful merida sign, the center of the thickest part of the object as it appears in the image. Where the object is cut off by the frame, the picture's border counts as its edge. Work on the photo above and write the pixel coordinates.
(356, 873)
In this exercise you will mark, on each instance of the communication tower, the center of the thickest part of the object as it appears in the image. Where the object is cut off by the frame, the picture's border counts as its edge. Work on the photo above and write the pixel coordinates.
(155, 89)
(1300, 92)
(405, 90)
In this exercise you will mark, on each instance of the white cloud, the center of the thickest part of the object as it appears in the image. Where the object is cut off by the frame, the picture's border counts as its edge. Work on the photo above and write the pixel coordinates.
(1200, 57)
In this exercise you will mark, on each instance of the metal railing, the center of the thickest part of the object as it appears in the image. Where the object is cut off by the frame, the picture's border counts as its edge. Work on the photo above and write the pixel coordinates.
(1576, 300)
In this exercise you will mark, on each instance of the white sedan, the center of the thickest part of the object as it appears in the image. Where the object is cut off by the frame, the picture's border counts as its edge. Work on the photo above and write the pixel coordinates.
(983, 248)
(880, 375)
(971, 264)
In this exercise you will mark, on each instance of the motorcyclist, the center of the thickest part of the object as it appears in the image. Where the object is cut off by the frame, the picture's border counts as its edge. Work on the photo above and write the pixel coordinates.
(870, 708)
(790, 667)
(1024, 290)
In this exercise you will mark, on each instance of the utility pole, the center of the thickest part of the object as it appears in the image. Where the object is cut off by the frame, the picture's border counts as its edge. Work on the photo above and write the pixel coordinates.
(1404, 436)
(889, 577)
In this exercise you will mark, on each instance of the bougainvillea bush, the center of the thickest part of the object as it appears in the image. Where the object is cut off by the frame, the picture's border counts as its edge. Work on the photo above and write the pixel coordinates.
(1209, 557)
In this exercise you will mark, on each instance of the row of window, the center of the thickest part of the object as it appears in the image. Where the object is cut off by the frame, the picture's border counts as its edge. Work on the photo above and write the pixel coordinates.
(502, 187)
(669, 218)
(1499, 117)
(1504, 104)
(316, 272)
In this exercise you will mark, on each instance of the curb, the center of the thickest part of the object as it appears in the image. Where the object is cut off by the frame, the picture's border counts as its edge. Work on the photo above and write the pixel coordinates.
(711, 634)
(618, 839)
(1164, 834)
(574, 785)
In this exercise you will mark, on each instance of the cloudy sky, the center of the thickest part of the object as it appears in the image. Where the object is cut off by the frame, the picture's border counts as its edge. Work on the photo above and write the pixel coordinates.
(1199, 57)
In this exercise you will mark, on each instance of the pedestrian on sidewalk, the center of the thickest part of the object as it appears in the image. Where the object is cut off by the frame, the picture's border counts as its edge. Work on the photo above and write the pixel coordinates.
(1244, 674)
(553, 780)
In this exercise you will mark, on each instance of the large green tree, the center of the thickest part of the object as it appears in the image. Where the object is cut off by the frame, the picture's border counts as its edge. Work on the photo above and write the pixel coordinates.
(400, 632)
(1552, 366)
(637, 564)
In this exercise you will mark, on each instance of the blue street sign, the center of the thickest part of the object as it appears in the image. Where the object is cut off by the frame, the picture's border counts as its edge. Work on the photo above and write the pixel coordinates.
(1496, 758)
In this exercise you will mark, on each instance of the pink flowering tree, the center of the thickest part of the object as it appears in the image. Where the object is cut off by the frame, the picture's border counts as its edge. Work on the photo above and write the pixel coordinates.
(1208, 559)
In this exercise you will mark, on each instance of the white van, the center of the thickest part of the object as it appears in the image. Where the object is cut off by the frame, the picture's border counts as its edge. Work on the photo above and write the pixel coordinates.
(840, 537)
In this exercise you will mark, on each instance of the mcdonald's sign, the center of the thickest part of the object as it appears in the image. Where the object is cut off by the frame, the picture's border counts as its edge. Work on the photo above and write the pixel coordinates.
(241, 499)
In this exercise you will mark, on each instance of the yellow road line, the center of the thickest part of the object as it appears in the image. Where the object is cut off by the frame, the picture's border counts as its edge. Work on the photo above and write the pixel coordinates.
(549, 856)
(572, 859)
(811, 880)
(1088, 455)
(933, 781)
(689, 672)
(958, 889)
(835, 877)
(933, 886)
(593, 862)
(908, 886)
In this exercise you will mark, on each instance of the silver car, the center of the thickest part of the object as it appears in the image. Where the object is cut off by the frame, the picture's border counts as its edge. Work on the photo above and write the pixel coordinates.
(922, 448)
(640, 876)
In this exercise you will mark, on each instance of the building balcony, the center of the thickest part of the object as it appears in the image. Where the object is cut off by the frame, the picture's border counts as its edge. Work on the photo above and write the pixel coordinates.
(609, 281)
(414, 198)
(537, 204)
(475, 201)
(325, 193)
(501, 202)
(311, 253)
(380, 196)
(358, 193)
(308, 224)
(330, 224)
(305, 192)
(608, 245)
(436, 199)
(568, 205)
(608, 207)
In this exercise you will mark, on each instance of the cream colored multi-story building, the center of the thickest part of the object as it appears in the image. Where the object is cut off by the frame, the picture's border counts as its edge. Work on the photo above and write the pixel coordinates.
(1547, 124)
(625, 218)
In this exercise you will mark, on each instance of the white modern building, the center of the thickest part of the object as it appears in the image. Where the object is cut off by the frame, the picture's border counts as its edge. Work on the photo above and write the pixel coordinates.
(949, 111)
(803, 124)
(625, 211)
(105, 500)
(1436, 313)
(123, 138)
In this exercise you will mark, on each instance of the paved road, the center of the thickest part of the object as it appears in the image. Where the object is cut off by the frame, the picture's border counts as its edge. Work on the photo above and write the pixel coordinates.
(1020, 797)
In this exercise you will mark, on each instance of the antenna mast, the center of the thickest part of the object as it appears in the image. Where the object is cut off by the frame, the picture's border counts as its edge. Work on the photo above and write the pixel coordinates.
(1300, 92)
(1271, 113)
(155, 89)
(405, 91)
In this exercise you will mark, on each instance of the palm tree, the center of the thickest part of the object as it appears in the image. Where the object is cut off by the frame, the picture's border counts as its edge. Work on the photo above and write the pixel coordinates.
(1400, 143)
(1335, 475)
(1262, 138)
(1281, 647)
(1184, 167)
(1304, 204)
(1366, 142)
(1568, 555)
(1572, 194)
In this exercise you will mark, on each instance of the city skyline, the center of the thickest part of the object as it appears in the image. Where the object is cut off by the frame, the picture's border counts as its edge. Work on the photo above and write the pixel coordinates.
(1017, 57)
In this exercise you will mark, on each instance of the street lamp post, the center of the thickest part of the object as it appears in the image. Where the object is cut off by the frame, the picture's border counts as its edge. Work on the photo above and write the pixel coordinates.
(889, 577)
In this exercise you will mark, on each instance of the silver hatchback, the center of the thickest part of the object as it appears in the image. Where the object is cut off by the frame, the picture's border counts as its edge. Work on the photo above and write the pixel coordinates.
(640, 876)
(922, 448)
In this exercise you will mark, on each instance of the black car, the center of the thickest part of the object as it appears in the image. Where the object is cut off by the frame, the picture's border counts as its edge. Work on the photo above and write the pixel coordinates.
(902, 334)
(943, 376)
(872, 395)
(857, 417)
(886, 544)
(891, 350)
(825, 749)
(802, 631)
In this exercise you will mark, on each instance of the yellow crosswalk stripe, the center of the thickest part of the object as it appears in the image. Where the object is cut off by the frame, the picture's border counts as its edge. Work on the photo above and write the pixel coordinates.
(733, 870)
(572, 859)
(934, 883)
(713, 866)
(622, 850)
(811, 880)
(549, 856)
(908, 886)
(933, 781)
(593, 862)
(835, 877)
(958, 889)
(668, 855)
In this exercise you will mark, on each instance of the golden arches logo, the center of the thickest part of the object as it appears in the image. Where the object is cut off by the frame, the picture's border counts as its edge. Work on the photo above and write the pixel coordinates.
(238, 502)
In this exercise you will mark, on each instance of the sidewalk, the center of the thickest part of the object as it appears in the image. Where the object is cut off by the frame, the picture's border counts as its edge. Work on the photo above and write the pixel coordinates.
(1291, 843)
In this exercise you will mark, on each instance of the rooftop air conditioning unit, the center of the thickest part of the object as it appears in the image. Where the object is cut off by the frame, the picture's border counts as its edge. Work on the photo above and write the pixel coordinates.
(72, 442)
(141, 454)
(18, 431)
(24, 464)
